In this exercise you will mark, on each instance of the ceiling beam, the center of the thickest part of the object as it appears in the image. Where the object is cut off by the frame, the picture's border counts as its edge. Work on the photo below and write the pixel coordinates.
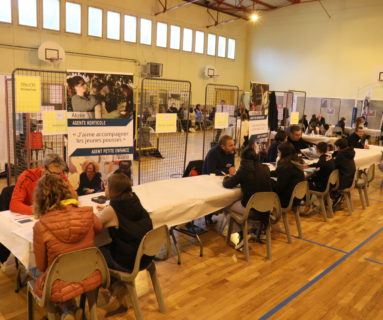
(166, 9)
(267, 5)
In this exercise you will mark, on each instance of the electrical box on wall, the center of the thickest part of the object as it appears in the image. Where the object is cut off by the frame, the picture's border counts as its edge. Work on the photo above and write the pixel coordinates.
(153, 69)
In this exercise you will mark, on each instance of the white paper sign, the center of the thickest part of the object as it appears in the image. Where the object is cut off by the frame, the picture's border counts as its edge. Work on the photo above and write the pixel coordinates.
(258, 126)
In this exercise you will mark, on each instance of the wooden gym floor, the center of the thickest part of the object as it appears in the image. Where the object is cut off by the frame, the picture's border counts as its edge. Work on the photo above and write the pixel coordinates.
(335, 272)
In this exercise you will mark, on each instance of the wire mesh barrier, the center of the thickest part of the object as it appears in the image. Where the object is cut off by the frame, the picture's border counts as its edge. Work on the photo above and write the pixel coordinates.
(220, 98)
(30, 143)
(162, 153)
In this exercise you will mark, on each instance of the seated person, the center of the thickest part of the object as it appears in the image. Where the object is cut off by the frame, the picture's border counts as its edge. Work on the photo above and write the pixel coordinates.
(125, 167)
(62, 227)
(321, 120)
(356, 140)
(327, 131)
(312, 128)
(318, 180)
(272, 153)
(220, 159)
(127, 222)
(22, 196)
(344, 162)
(90, 179)
(289, 172)
(253, 177)
(341, 124)
(295, 138)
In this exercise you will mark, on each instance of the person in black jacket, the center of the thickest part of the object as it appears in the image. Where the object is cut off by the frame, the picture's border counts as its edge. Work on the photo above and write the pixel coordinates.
(272, 153)
(90, 179)
(295, 138)
(253, 177)
(289, 172)
(356, 140)
(344, 162)
(342, 124)
(318, 180)
(127, 222)
(304, 122)
(220, 159)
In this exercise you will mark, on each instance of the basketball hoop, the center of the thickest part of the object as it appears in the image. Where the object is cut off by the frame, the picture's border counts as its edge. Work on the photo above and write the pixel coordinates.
(51, 52)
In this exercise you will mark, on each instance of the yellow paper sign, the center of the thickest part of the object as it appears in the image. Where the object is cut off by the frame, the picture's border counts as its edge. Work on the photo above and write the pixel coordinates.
(28, 94)
(54, 122)
(166, 122)
(221, 120)
(294, 118)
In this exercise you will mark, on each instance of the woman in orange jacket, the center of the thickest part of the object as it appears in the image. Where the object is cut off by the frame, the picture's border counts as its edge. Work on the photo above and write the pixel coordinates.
(62, 227)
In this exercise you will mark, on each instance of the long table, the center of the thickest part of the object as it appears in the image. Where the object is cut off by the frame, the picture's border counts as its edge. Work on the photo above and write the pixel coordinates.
(171, 202)
(316, 138)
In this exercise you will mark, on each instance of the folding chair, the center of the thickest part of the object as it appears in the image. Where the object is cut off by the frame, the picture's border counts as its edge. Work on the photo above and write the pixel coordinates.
(333, 180)
(261, 202)
(300, 191)
(73, 266)
(150, 245)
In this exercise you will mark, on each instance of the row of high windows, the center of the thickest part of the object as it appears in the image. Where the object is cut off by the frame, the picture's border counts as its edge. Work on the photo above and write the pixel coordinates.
(118, 26)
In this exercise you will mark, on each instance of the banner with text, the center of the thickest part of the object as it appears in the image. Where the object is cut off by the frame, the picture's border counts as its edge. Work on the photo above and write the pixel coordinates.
(258, 126)
(100, 137)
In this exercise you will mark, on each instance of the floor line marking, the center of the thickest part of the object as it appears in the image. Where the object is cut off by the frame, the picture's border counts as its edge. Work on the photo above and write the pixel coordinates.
(374, 261)
(320, 244)
(282, 304)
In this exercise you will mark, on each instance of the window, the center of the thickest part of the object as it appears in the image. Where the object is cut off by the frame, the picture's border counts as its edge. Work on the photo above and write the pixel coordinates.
(6, 11)
(222, 47)
(199, 41)
(175, 37)
(51, 14)
(162, 34)
(94, 22)
(130, 28)
(113, 25)
(231, 48)
(28, 13)
(187, 42)
(72, 17)
(146, 31)
(211, 38)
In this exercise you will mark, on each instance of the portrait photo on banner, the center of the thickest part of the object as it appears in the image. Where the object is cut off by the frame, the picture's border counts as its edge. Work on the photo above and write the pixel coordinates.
(100, 95)
(259, 100)
(101, 116)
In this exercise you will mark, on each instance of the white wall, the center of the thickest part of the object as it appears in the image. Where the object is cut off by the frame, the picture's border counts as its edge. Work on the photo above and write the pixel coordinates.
(299, 47)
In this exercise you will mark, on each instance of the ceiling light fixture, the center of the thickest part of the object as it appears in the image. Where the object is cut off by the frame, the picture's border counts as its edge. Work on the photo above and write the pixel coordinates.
(254, 17)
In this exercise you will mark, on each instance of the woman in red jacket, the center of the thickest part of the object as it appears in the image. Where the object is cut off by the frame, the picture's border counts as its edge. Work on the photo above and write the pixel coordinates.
(62, 227)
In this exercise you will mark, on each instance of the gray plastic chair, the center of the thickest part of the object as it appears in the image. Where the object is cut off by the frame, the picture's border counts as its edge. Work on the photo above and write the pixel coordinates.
(347, 194)
(363, 183)
(70, 267)
(333, 180)
(150, 245)
(261, 202)
(300, 191)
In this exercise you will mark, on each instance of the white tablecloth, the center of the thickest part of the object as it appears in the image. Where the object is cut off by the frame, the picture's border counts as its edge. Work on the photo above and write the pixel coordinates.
(316, 138)
(366, 157)
(370, 132)
(171, 202)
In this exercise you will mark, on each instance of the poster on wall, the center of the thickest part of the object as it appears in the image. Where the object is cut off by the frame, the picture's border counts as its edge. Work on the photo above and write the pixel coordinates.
(28, 94)
(100, 95)
(259, 100)
(54, 122)
(294, 118)
(221, 120)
